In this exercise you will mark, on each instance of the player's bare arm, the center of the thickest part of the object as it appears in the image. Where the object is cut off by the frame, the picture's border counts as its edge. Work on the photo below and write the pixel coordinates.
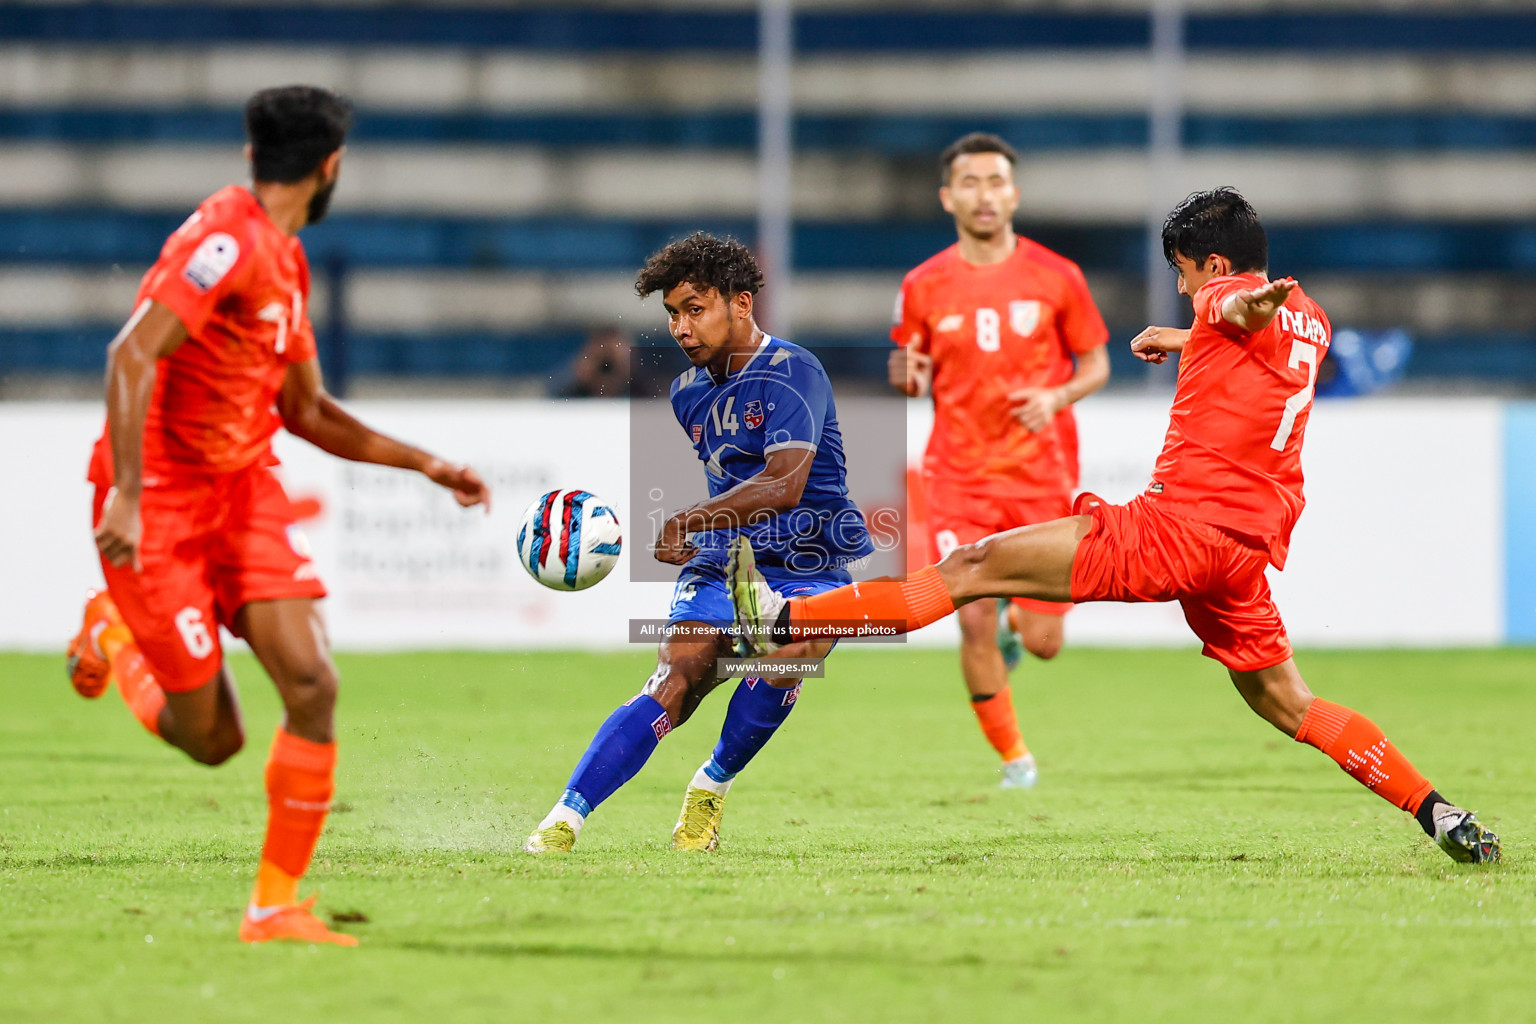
(1253, 308)
(1154, 344)
(312, 414)
(910, 371)
(151, 334)
(775, 490)
(1035, 408)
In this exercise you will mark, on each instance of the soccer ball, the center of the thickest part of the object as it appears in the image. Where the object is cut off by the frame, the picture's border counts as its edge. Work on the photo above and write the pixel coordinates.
(569, 540)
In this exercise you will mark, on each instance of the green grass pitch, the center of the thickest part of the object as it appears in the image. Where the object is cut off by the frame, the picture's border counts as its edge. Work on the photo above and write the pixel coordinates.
(1180, 860)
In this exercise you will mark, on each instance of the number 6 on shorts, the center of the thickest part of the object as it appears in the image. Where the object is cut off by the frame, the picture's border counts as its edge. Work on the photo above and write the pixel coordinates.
(189, 623)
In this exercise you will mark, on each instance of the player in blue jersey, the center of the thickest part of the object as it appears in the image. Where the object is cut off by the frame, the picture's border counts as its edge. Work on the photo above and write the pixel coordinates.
(760, 415)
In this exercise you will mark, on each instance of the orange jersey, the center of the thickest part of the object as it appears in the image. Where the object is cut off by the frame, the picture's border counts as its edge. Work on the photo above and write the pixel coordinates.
(992, 329)
(1232, 457)
(241, 289)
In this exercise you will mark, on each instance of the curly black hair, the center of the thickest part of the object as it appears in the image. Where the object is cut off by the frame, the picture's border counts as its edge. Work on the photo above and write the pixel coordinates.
(704, 261)
(1220, 221)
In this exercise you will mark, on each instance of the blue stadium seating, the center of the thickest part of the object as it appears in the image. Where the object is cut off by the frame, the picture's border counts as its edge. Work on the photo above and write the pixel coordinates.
(572, 27)
(86, 233)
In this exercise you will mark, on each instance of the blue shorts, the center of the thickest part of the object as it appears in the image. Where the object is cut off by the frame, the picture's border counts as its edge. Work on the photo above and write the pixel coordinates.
(702, 596)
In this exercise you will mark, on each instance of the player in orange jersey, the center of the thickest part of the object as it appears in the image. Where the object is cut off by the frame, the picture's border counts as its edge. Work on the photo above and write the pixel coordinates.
(1224, 496)
(1005, 336)
(194, 530)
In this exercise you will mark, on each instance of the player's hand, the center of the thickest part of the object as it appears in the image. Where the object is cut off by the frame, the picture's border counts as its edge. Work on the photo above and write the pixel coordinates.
(1153, 344)
(120, 531)
(1036, 407)
(1253, 308)
(672, 544)
(467, 487)
(909, 370)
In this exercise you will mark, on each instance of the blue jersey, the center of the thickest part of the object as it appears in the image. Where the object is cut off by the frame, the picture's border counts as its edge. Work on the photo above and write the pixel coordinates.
(780, 399)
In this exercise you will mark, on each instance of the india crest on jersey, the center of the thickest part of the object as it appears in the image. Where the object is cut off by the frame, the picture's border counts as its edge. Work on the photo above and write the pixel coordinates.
(752, 415)
(1024, 316)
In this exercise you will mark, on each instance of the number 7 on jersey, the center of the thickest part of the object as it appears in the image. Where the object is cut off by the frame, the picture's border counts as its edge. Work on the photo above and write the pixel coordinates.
(1301, 352)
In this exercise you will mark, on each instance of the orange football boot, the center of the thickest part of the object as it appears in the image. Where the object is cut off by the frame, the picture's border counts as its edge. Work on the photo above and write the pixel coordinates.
(294, 923)
(89, 671)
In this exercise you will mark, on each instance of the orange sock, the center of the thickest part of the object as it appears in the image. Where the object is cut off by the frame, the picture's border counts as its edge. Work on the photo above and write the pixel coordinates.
(1369, 757)
(999, 723)
(135, 681)
(908, 604)
(301, 776)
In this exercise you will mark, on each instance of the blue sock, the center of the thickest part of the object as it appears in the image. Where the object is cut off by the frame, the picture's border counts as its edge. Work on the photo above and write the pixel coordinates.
(756, 712)
(619, 750)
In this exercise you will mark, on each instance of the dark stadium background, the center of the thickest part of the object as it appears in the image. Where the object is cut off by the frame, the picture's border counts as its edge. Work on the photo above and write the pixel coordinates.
(513, 163)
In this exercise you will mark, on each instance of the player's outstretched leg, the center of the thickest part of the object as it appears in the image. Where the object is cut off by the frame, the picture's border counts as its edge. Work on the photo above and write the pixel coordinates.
(768, 621)
(1031, 561)
(626, 740)
(288, 637)
(1281, 697)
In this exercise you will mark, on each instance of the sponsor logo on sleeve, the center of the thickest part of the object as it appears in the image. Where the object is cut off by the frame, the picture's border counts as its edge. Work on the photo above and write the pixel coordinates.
(698, 432)
(212, 259)
(953, 322)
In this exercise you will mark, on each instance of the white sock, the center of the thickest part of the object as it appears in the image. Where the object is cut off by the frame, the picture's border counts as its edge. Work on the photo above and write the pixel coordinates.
(569, 815)
(702, 781)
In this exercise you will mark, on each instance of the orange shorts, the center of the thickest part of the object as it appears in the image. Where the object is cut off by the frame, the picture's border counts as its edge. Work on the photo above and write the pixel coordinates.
(1138, 552)
(211, 544)
(956, 518)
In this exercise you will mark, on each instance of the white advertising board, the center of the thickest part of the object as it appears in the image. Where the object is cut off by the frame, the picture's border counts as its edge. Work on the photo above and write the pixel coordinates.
(1401, 542)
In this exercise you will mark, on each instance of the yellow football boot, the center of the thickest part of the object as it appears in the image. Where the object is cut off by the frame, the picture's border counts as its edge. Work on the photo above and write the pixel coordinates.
(556, 838)
(698, 824)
